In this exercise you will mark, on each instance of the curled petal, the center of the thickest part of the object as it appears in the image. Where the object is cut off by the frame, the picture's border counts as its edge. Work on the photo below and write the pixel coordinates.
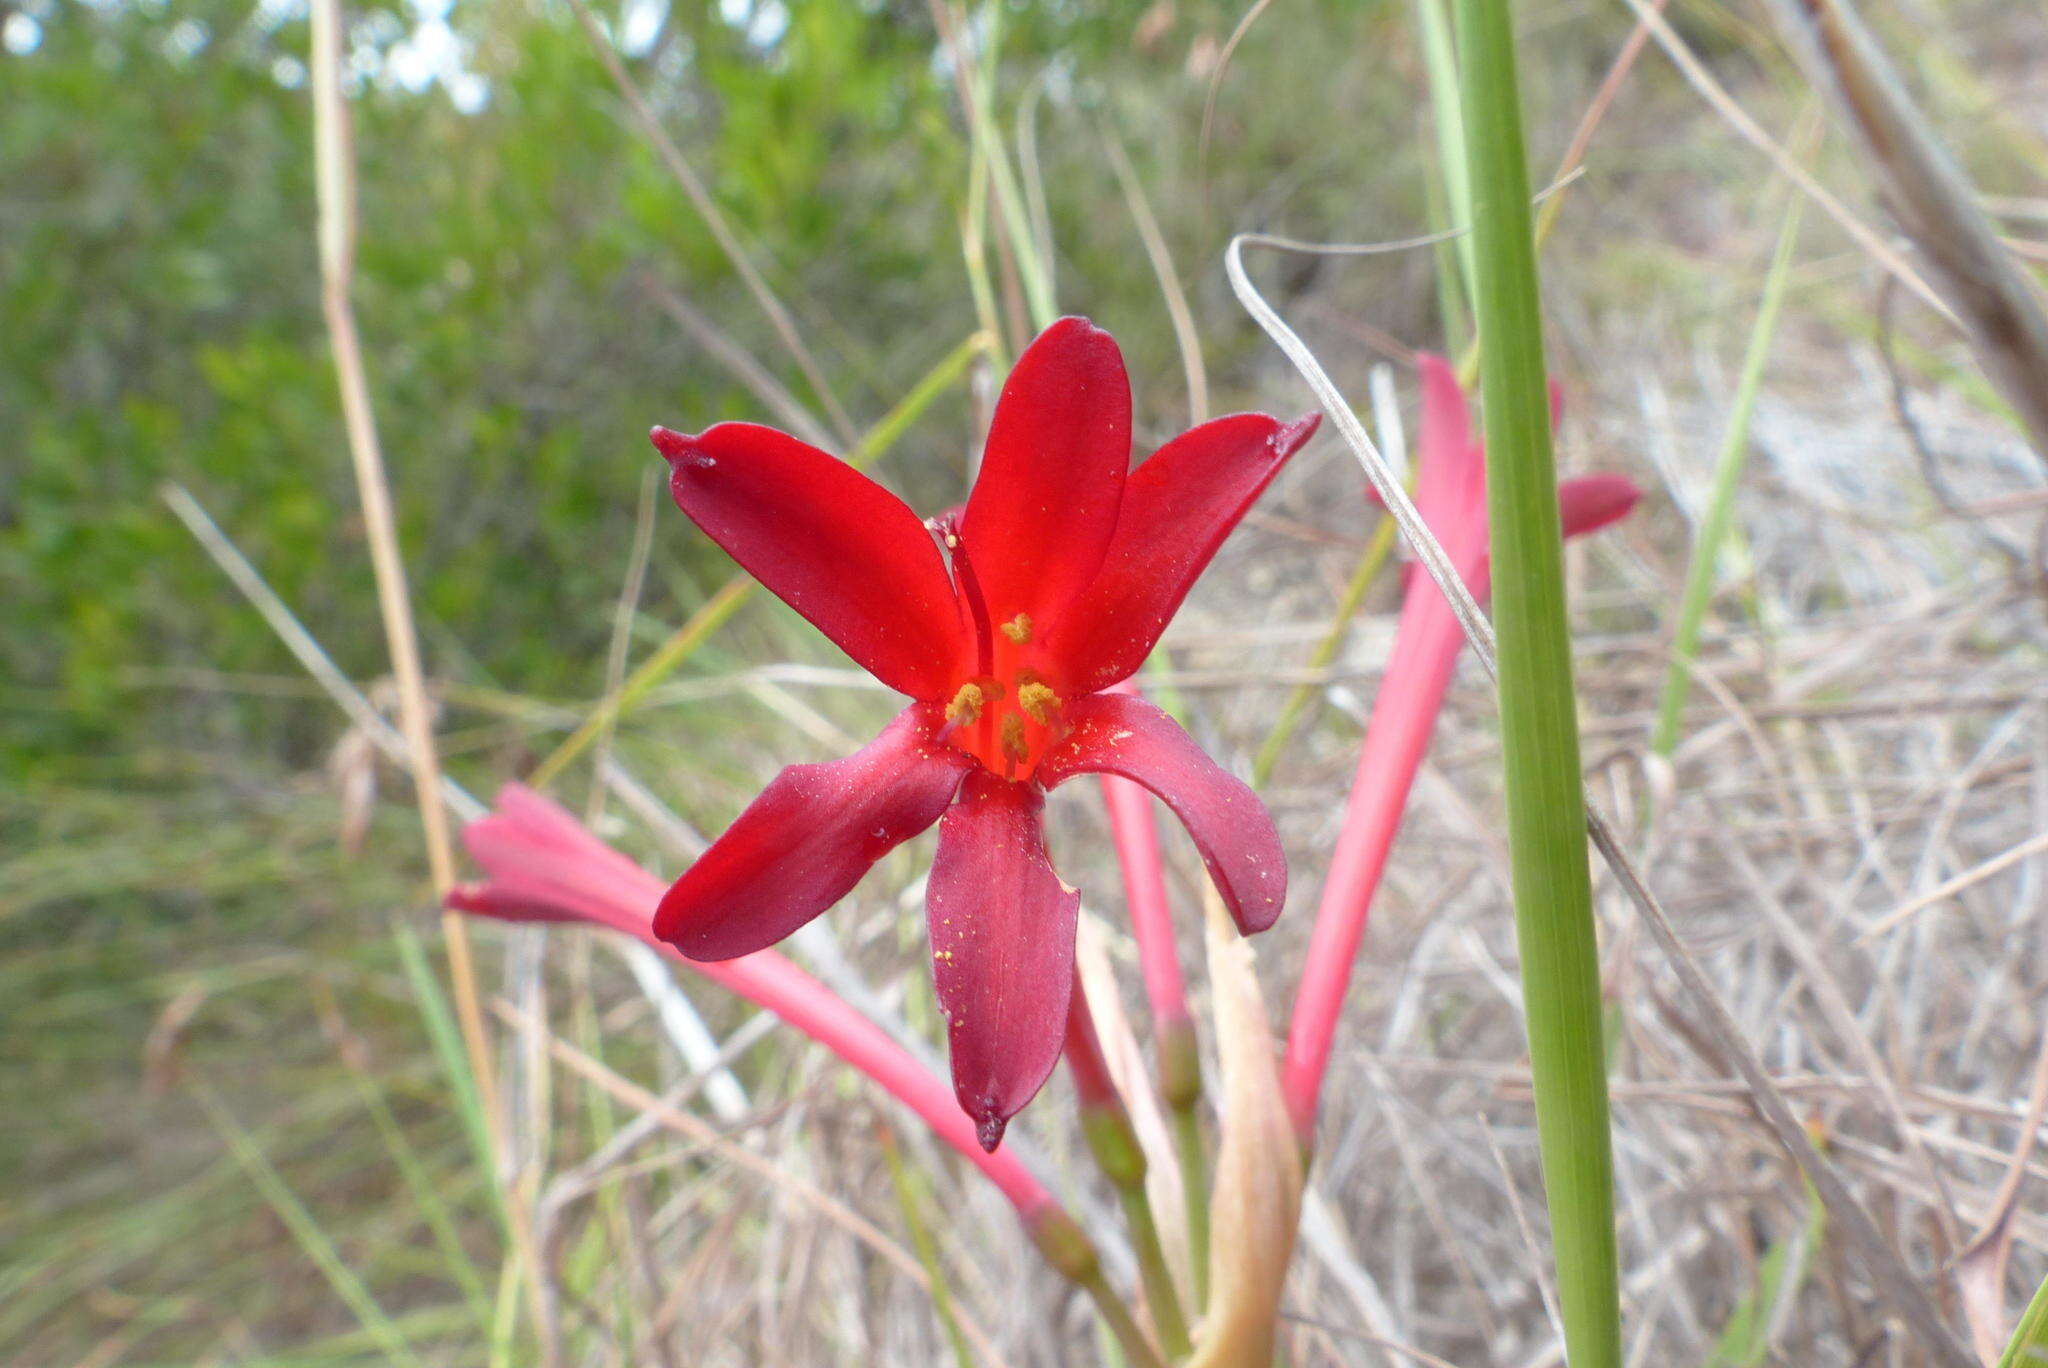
(1177, 509)
(831, 543)
(1590, 502)
(1120, 734)
(808, 839)
(1044, 507)
(1002, 932)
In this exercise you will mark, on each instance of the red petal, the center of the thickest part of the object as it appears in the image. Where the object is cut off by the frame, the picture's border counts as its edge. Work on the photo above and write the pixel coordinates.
(1121, 734)
(808, 839)
(1002, 929)
(1590, 502)
(1044, 507)
(831, 543)
(1177, 509)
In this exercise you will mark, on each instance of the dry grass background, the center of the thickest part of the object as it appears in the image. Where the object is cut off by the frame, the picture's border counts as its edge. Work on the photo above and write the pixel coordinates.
(1866, 745)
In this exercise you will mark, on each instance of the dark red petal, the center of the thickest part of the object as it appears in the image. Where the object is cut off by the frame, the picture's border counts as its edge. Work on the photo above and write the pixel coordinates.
(1590, 502)
(1177, 509)
(1044, 507)
(808, 839)
(831, 543)
(1122, 734)
(1002, 929)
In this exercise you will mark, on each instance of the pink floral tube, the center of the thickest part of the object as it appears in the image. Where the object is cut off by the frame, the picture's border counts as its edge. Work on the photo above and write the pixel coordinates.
(543, 865)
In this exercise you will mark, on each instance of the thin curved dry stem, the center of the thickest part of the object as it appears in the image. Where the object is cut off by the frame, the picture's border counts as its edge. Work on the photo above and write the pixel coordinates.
(1156, 251)
(1244, 25)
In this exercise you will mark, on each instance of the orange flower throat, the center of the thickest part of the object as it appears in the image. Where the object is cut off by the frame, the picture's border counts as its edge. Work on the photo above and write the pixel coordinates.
(1006, 715)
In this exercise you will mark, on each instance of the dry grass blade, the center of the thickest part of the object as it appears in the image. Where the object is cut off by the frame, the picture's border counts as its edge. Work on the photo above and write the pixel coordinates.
(1933, 202)
(1883, 1263)
(714, 219)
(1730, 109)
(335, 177)
(738, 362)
(701, 1132)
(1161, 257)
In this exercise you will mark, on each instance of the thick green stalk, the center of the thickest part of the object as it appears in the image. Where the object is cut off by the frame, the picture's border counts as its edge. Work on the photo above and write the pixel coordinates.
(1539, 725)
(1715, 521)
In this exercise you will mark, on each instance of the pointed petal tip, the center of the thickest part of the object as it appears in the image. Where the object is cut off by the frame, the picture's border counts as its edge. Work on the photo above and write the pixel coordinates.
(1291, 436)
(989, 1128)
(678, 447)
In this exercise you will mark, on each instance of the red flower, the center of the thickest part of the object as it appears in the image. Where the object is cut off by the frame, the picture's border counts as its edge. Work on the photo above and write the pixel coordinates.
(1004, 624)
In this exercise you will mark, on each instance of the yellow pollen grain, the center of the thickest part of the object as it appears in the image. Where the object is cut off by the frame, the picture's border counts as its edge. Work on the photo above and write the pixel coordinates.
(1038, 701)
(966, 705)
(1018, 628)
(1013, 739)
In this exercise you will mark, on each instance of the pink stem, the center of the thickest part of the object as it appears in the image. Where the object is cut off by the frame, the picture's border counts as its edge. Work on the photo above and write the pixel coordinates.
(543, 865)
(1411, 695)
(1086, 1063)
(1134, 831)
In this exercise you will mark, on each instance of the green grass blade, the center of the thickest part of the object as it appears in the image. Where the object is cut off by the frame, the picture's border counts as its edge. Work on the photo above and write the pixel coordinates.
(911, 1198)
(1370, 563)
(1031, 268)
(426, 1195)
(1745, 1339)
(1716, 520)
(306, 1230)
(447, 1043)
(1447, 116)
(2028, 1347)
(1539, 724)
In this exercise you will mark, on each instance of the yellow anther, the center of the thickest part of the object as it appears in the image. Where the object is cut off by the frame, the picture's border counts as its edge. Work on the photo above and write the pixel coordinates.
(1018, 628)
(966, 705)
(1038, 702)
(1013, 739)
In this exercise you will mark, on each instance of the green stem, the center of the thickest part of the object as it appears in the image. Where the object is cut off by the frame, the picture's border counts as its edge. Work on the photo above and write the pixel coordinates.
(1193, 1153)
(1107, 1130)
(1539, 726)
(1716, 520)
(2028, 1347)
(1160, 1298)
(1067, 1248)
(1118, 1318)
(1370, 562)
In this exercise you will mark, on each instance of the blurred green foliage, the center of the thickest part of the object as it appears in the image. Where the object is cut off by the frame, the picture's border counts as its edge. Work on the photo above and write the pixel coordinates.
(158, 284)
